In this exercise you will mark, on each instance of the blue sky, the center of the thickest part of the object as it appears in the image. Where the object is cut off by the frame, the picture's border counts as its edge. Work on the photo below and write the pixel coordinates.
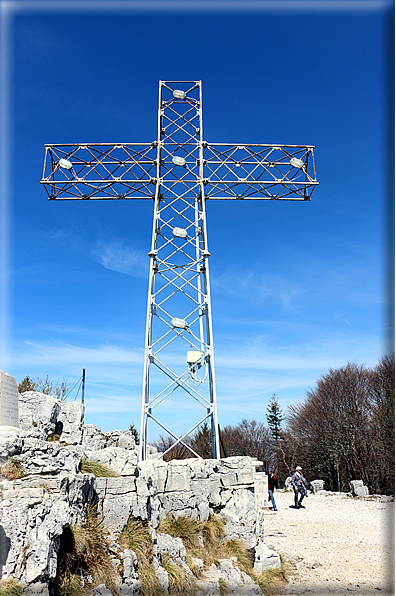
(297, 288)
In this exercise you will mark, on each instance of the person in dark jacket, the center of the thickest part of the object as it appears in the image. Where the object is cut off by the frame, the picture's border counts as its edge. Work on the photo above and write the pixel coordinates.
(272, 485)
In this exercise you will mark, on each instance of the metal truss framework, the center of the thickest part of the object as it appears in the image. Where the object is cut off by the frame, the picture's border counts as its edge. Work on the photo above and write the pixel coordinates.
(180, 171)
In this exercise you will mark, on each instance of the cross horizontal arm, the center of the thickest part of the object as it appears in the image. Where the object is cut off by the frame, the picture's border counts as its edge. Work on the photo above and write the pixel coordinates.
(130, 171)
(254, 171)
(100, 171)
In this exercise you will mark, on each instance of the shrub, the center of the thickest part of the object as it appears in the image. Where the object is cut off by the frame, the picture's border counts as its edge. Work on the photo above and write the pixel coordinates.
(134, 432)
(27, 385)
(97, 469)
(12, 470)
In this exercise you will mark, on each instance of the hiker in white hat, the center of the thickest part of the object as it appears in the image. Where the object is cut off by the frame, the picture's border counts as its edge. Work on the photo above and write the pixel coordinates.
(299, 486)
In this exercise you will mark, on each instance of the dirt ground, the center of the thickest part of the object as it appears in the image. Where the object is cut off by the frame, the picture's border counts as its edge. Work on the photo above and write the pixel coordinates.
(336, 545)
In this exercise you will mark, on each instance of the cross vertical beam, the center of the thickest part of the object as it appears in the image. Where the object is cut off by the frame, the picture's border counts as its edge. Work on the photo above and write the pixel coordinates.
(179, 320)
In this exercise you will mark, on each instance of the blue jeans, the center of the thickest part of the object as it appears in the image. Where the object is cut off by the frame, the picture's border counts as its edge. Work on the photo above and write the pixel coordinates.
(271, 496)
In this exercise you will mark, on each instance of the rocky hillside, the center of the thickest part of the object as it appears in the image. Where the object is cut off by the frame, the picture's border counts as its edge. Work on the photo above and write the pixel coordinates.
(80, 515)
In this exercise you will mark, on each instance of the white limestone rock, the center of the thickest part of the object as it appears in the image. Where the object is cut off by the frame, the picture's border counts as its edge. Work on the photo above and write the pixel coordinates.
(358, 489)
(101, 590)
(240, 512)
(237, 582)
(129, 563)
(265, 558)
(162, 576)
(131, 587)
(38, 410)
(121, 461)
(33, 513)
(361, 491)
(32, 520)
(316, 485)
(70, 422)
(51, 416)
(43, 457)
(11, 441)
(94, 439)
(173, 547)
(118, 499)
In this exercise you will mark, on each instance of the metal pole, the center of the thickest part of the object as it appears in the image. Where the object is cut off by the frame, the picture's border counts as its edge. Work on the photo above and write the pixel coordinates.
(83, 387)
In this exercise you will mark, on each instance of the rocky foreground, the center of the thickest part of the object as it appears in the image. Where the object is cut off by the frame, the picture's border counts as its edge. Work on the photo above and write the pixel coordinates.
(46, 491)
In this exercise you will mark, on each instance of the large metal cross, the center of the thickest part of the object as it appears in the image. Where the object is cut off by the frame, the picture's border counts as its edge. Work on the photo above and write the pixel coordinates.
(180, 172)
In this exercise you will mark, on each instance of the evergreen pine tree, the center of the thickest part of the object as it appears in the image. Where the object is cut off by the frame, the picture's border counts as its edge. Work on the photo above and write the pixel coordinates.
(274, 418)
(134, 432)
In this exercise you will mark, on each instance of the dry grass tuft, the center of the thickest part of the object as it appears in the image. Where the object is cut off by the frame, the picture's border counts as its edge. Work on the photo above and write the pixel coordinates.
(136, 536)
(194, 568)
(84, 547)
(213, 531)
(10, 587)
(12, 470)
(235, 548)
(180, 581)
(97, 469)
(70, 585)
(186, 528)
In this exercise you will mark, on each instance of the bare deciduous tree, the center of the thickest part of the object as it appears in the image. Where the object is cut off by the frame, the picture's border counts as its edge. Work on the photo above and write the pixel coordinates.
(338, 427)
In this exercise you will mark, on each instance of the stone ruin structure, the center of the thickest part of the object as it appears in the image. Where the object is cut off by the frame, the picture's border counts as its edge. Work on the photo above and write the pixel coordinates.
(53, 494)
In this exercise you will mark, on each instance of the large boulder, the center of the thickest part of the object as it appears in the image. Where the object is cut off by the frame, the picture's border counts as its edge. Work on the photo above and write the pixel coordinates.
(51, 416)
(70, 422)
(40, 411)
(43, 457)
(37, 456)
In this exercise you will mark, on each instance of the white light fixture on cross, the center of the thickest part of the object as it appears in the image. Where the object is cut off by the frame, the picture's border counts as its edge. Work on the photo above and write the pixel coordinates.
(180, 172)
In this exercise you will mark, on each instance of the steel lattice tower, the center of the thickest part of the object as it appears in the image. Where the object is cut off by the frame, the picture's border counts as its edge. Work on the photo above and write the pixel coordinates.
(186, 171)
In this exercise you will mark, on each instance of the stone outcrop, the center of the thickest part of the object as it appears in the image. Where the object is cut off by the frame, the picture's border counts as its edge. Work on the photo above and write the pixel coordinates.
(51, 416)
(37, 509)
(94, 439)
(33, 515)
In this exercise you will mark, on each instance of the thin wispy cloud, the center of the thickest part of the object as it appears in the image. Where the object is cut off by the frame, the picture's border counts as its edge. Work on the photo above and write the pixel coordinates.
(117, 256)
(254, 287)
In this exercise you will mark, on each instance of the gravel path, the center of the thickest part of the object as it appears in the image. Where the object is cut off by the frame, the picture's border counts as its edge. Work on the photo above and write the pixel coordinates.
(337, 544)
